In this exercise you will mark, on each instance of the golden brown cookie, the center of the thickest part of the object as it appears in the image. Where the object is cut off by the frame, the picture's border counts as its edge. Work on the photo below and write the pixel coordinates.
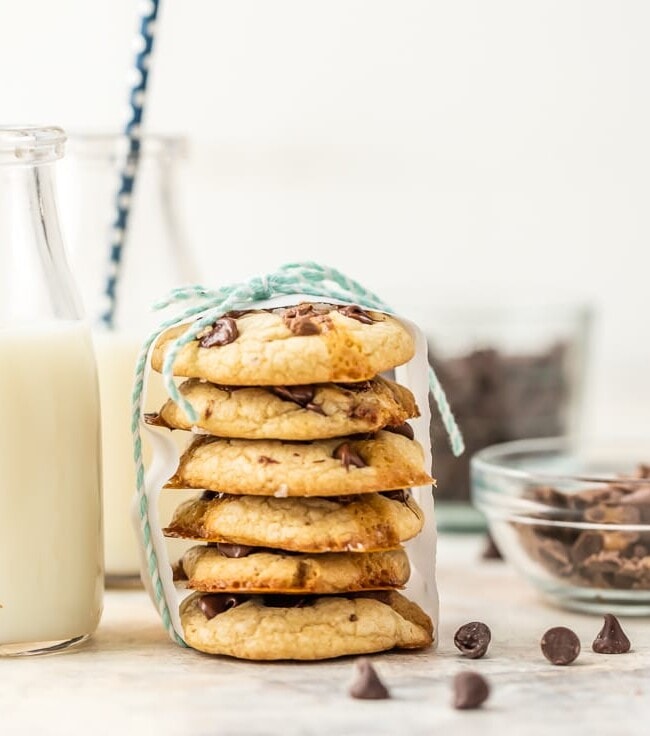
(332, 467)
(289, 346)
(237, 568)
(307, 412)
(269, 628)
(362, 523)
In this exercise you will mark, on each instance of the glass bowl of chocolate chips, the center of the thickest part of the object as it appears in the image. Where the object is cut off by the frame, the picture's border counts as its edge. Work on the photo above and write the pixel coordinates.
(573, 519)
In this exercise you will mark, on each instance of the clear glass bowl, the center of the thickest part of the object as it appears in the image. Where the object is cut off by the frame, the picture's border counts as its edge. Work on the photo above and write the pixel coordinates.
(573, 520)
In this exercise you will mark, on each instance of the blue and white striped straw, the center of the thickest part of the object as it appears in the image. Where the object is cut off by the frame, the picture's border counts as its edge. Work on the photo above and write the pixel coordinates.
(129, 169)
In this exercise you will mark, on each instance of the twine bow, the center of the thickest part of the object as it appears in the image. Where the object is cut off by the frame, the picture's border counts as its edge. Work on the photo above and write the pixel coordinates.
(308, 278)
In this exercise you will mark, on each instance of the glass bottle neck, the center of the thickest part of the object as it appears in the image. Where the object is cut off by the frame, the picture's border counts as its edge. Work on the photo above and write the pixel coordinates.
(35, 281)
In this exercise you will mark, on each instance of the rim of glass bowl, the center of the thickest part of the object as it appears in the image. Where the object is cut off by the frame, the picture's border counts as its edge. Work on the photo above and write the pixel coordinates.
(497, 487)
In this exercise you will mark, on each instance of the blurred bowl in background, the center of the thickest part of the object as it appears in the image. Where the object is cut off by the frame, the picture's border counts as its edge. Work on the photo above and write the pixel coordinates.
(574, 520)
(509, 374)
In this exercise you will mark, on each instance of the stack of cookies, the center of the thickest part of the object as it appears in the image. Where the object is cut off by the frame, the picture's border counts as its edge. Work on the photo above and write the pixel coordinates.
(305, 461)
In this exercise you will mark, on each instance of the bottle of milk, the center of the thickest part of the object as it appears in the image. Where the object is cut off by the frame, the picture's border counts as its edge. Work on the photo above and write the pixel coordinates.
(51, 566)
(155, 260)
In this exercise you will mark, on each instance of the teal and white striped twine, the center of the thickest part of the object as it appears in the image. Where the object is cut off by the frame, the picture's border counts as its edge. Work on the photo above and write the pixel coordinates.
(294, 278)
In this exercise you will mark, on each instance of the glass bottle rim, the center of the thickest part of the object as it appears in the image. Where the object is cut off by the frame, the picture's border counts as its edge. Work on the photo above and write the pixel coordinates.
(31, 144)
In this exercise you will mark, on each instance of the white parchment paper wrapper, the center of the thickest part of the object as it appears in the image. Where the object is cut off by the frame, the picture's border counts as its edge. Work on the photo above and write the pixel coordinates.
(421, 550)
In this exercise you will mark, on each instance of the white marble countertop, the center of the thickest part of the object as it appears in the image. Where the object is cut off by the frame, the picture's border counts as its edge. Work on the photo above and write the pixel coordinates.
(130, 679)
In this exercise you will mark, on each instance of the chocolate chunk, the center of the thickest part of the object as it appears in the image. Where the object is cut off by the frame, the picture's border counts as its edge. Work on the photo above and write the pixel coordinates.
(306, 319)
(215, 603)
(560, 645)
(209, 495)
(611, 638)
(603, 514)
(223, 332)
(355, 312)
(402, 495)
(471, 690)
(301, 395)
(473, 639)
(235, 551)
(490, 550)
(366, 684)
(586, 545)
(348, 456)
(404, 429)
(178, 572)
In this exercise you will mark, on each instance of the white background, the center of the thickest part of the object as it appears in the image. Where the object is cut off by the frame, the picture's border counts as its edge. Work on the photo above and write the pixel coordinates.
(439, 151)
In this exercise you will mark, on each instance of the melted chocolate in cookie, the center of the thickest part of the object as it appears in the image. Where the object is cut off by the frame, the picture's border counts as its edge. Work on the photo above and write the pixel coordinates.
(348, 456)
(215, 603)
(223, 332)
(404, 429)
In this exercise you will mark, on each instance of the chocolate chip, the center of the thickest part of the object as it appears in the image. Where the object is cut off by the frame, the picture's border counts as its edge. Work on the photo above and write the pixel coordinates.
(366, 684)
(178, 572)
(223, 332)
(586, 545)
(471, 690)
(306, 319)
(215, 603)
(302, 395)
(348, 456)
(611, 638)
(266, 460)
(404, 429)
(235, 551)
(473, 639)
(209, 495)
(355, 312)
(490, 550)
(560, 645)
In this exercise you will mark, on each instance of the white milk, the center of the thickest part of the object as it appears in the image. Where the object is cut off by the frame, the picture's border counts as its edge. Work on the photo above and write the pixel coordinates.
(117, 353)
(50, 521)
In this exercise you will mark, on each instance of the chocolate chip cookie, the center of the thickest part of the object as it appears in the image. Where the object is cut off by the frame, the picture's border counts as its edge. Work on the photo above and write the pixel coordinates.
(308, 343)
(303, 628)
(236, 568)
(307, 412)
(361, 523)
(383, 461)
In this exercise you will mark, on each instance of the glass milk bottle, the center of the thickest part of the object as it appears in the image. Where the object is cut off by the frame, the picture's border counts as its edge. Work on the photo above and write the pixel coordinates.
(155, 259)
(51, 577)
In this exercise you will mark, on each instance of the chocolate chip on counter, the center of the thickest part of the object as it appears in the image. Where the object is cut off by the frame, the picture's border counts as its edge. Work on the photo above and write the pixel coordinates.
(223, 332)
(353, 311)
(209, 495)
(471, 690)
(611, 638)
(235, 551)
(560, 645)
(404, 429)
(473, 639)
(366, 684)
(348, 456)
(215, 603)
(490, 550)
